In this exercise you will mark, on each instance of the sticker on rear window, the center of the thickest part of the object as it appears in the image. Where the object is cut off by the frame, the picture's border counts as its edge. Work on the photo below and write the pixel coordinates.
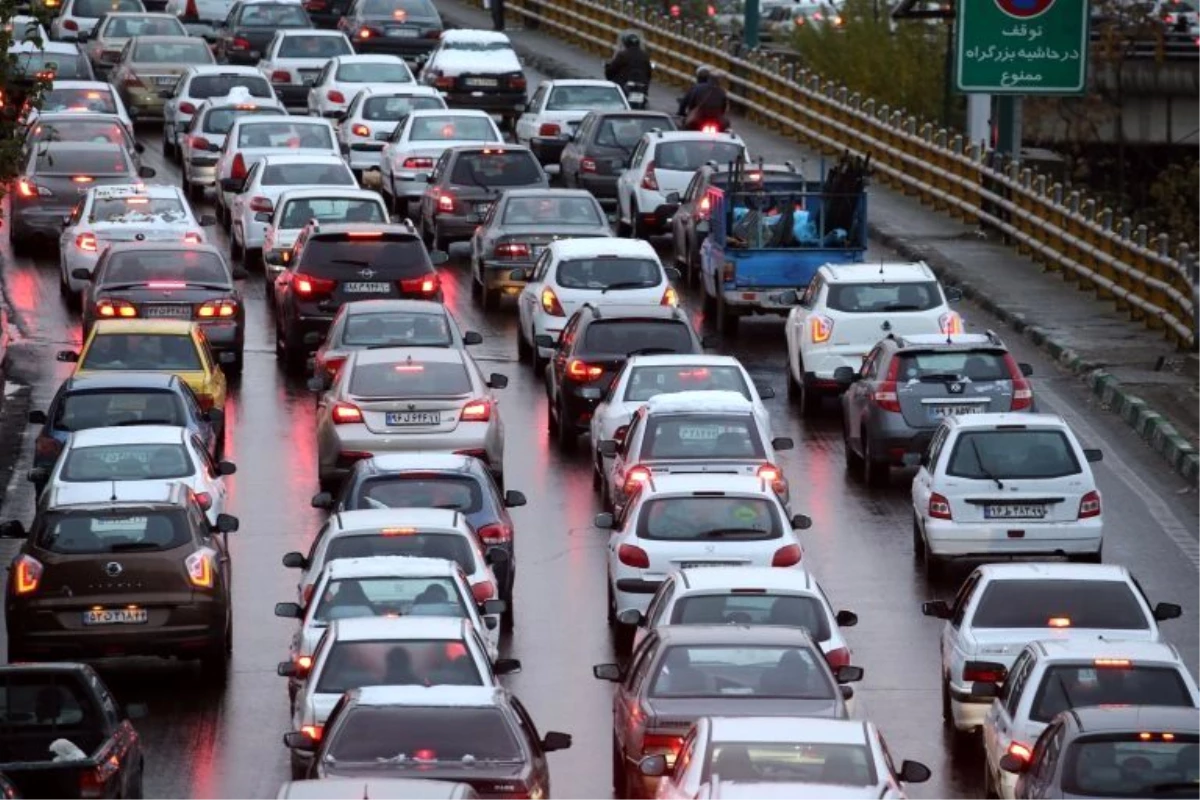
(704, 433)
(124, 524)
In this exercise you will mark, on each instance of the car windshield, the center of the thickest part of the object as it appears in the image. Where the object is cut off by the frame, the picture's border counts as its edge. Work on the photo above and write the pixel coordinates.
(35, 705)
(624, 132)
(975, 365)
(388, 596)
(285, 134)
(205, 86)
(1121, 683)
(449, 547)
(308, 174)
(139, 351)
(647, 382)
(549, 210)
(316, 47)
(174, 53)
(98, 8)
(109, 162)
(135, 266)
(283, 15)
(410, 379)
(352, 665)
(420, 491)
(390, 109)
(80, 130)
(127, 462)
(397, 329)
(585, 98)
(874, 298)
(63, 66)
(127, 27)
(410, 736)
(1127, 765)
(1060, 603)
(297, 212)
(497, 168)
(398, 9)
(626, 336)
(84, 410)
(138, 210)
(709, 519)
(786, 762)
(117, 531)
(692, 155)
(99, 101)
(702, 436)
(1010, 454)
(470, 129)
(374, 72)
(618, 274)
(751, 671)
(754, 607)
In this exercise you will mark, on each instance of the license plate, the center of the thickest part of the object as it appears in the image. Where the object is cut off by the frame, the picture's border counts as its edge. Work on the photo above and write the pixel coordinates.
(402, 33)
(166, 80)
(695, 564)
(413, 418)
(637, 97)
(482, 208)
(366, 288)
(481, 82)
(115, 616)
(172, 312)
(954, 411)
(1015, 511)
(308, 78)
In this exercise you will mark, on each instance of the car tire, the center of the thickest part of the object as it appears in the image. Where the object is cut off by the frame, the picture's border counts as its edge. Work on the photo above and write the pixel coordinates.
(1087, 558)
(524, 349)
(170, 151)
(853, 459)
(299, 769)
(508, 619)
(727, 318)
(947, 712)
(568, 438)
(874, 472)
(539, 363)
(918, 541)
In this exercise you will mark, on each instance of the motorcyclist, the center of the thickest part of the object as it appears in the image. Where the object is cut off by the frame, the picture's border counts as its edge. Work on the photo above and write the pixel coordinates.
(631, 65)
(688, 100)
(710, 105)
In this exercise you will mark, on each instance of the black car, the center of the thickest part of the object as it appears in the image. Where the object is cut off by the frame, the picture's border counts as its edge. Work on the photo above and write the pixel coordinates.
(405, 28)
(591, 350)
(56, 61)
(243, 36)
(335, 264)
(601, 147)
(480, 735)
(425, 480)
(478, 69)
(80, 126)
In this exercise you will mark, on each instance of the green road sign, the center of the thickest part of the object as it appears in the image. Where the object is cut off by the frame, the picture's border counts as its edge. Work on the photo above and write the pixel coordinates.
(1022, 46)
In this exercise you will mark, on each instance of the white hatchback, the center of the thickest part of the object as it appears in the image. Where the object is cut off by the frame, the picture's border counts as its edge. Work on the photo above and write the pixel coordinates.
(371, 118)
(556, 109)
(344, 76)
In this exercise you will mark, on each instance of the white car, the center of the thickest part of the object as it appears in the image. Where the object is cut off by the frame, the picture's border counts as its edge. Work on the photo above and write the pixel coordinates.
(717, 432)
(295, 57)
(662, 164)
(93, 460)
(81, 97)
(465, 63)
(294, 208)
(1006, 485)
(22, 27)
(209, 82)
(426, 532)
(1002, 607)
(417, 143)
(597, 271)
(79, 16)
(404, 651)
(679, 522)
(254, 137)
(270, 177)
(344, 76)
(556, 109)
(847, 308)
(1050, 677)
(799, 758)
(371, 119)
(153, 213)
(204, 137)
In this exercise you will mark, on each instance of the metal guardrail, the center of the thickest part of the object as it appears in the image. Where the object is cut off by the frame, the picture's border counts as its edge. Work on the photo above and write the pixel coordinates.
(1062, 229)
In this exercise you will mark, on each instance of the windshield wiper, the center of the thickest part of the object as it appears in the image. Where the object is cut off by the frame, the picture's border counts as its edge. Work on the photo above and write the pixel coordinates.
(721, 533)
(987, 473)
(616, 287)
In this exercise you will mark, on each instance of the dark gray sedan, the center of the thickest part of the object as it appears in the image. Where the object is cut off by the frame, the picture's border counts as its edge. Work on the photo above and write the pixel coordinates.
(600, 149)
(517, 229)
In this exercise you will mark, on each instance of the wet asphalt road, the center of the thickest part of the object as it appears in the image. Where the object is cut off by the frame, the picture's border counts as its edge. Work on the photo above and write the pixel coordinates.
(227, 744)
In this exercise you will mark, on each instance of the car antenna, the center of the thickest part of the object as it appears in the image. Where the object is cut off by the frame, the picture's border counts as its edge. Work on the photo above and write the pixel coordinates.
(366, 796)
(113, 499)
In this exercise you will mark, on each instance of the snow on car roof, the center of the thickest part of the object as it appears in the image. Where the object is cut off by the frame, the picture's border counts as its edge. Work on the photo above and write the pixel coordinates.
(366, 519)
(464, 696)
(702, 401)
(468, 35)
(796, 579)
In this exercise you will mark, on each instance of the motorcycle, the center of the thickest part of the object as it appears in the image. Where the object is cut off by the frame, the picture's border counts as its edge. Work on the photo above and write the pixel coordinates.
(636, 93)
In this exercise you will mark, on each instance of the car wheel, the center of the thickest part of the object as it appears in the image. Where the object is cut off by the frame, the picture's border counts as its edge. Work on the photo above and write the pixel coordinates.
(539, 363)
(567, 437)
(808, 399)
(524, 350)
(947, 712)
(727, 318)
(874, 471)
(214, 665)
(636, 229)
(918, 541)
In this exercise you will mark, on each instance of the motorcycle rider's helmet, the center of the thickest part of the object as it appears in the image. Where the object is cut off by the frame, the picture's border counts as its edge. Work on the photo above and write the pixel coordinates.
(631, 40)
(702, 72)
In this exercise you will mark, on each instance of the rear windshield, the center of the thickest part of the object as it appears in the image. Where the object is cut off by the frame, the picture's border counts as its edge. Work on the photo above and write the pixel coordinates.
(120, 531)
(614, 274)
(375, 72)
(69, 161)
(407, 8)
(284, 15)
(821, 763)
(138, 210)
(98, 101)
(1076, 604)
(313, 47)
(415, 735)
(976, 365)
(627, 336)
(508, 168)
(794, 611)
(392, 258)
(204, 86)
(297, 213)
(585, 98)
(436, 129)
(352, 665)
(397, 329)
(173, 53)
(98, 8)
(220, 120)
(419, 491)
(1067, 686)
(625, 132)
(307, 174)
(477, 46)
(752, 671)
(702, 436)
(127, 27)
(84, 410)
(1125, 765)
(431, 379)
(132, 351)
(647, 382)
(377, 597)
(390, 109)
(134, 266)
(550, 210)
(709, 519)
(63, 66)
(445, 546)
(691, 156)
(127, 462)
(78, 130)
(872, 298)
(285, 134)
(984, 455)
(35, 706)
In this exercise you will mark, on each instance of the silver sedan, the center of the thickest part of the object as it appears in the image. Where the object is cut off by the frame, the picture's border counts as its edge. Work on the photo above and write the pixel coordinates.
(408, 399)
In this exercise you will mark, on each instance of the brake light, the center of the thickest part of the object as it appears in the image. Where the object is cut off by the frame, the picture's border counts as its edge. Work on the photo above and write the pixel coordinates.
(200, 569)
(335, 96)
(82, 179)
(332, 365)
(259, 204)
(425, 285)
(512, 250)
(204, 500)
(444, 82)
(346, 414)
(710, 127)
(1022, 392)
(70, 25)
(309, 287)
(113, 309)
(516, 81)
(839, 657)
(1118, 663)
(496, 533)
(91, 784)
(217, 309)
(788, 556)
(635, 478)
(676, 11)
(1020, 750)
(46, 449)
(580, 370)
(238, 170)
(418, 163)
(551, 305)
(670, 297)
(187, 108)
(86, 242)
(445, 202)
(820, 328)
(587, 165)
(549, 129)
(476, 411)
(27, 574)
(769, 472)
(484, 591)
(397, 531)
(361, 130)
(27, 188)
(304, 663)
(939, 507)
(313, 731)
(281, 76)
(633, 556)
(365, 33)
(1089, 505)
(200, 143)
(885, 396)
(983, 672)
(662, 744)
(649, 179)
(950, 323)
(165, 285)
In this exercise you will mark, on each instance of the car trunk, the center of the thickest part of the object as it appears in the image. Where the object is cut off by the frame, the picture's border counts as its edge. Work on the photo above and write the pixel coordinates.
(405, 29)
(68, 189)
(1021, 503)
(676, 715)
(537, 237)
(671, 180)
(258, 38)
(412, 415)
(160, 76)
(926, 401)
(176, 302)
(703, 465)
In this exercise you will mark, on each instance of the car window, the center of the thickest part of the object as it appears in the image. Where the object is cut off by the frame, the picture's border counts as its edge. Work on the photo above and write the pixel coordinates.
(496, 168)
(297, 212)
(116, 531)
(79, 130)
(811, 762)
(396, 328)
(127, 27)
(749, 671)
(79, 99)
(125, 351)
(392, 257)
(625, 336)
(1115, 682)
(1126, 765)
(549, 210)
(647, 382)
(284, 134)
(408, 662)
(139, 210)
(660, 602)
(36, 705)
(582, 98)
(709, 519)
(71, 161)
(388, 109)
(702, 436)
(282, 15)
(1012, 454)
(83, 410)
(690, 156)
(1014, 684)
(369, 735)
(391, 596)
(98, 8)
(1059, 603)
(609, 274)
(873, 298)
(127, 462)
(963, 599)
(373, 72)
(322, 47)
(429, 379)
(175, 52)
(220, 120)
(977, 365)
(1045, 753)
(61, 66)
(303, 174)
(419, 490)
(757, 608)
(204, 86)
(450, 547)
(141, 266)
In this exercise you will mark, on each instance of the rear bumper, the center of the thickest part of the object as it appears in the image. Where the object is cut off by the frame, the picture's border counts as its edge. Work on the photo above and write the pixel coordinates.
(578, 403)
(145, 105)
(509, 103)
(999, 537)
(224, 335)
(604, 187)
(185, 630)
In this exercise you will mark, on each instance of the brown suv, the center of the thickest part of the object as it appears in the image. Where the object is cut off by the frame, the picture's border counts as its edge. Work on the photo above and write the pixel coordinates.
(117, 570)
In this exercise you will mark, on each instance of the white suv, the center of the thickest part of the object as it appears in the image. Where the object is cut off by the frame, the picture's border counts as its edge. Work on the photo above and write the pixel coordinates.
(1005, 485)
(1002, 607)
(846, 309)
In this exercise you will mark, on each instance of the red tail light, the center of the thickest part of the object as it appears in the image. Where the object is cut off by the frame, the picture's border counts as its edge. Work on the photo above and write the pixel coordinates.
(983, 672)
(311, 288)
(516, 82)
(633, 556)
(258, 204)
(200, 569)
(91, 781)
(885, 395)
(70, 25)
(649, 179)
(1020, 750)
(580, 370)
(484, 591)
(332, 365)
(27, 188)
(635, 478)
(670, 297)
(134, 82)
(787, 556)
(496, 533)
(1022, 392)
(335, 96)
(217, 309)
(86, 242)
(838, 657)
(551, 305)
(193, 237)
(115, 309)
(445, 203)
(1089, 505)
(200, 143)
(238, 170)
(512, 250)
(361, 130)
(939, 507)
(364, 33)
(476, 411)
(444, 82)
(239, 43)
(769, 472)
(346, 414)
(549, 129)
(187, 108)
(428, 284)
(206, 401)
(314, 732)
(418, 163)
(281, 76)
(27, 574)
(47, 448)
(433, 34)
(587, 165)
(676, 11)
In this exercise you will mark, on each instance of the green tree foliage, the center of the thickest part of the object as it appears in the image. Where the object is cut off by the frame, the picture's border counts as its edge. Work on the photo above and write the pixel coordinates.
(11, 129)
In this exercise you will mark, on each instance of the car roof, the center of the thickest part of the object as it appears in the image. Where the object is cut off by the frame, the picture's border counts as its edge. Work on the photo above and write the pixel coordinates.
(365, 519)
(399, 90)
(601, 247)
(111, 494)
(735, 635)
(662, 137)
(328, 191)
(631, 311)
(254, 119)
(421, 462)
(796, 579)
(700, 402)
(128, 435)
(361, 629)
(1053, 570)
(541, 191)
(447, 696)
(104, 327)
(788, 729)
(683, 359)
(223, 69)
(1076, 648)
(447, 112)
(363, 227)
(390, 567)
(395, 355)
(578, 82)
(1094, 719)
(64, 48)
(120, 380)
(880, 272)
(685, 483)
(355, 788)
(396, 304)
(310, 158)
(1006, 419)
(467, 35)
(948, 341)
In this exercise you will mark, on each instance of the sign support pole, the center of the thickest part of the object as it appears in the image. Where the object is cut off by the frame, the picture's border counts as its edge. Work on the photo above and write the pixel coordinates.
(750, 25)
(1009, 121)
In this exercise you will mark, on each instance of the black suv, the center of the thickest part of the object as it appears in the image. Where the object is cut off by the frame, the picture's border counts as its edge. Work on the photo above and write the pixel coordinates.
(591, 350)
(334, 264)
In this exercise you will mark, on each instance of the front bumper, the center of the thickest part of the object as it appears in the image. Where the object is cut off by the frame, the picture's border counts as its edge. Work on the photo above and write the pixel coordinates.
(1000, 537)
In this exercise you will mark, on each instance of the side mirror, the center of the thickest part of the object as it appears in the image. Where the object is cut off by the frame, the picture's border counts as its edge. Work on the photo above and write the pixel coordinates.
(1093, 455)
(653, 766)
(226, 468)
(953, 294)
(848, 674)
(289, 611)
(1026, 369)
(846, 619)
(136, 711)
(294, 560)
(801, 522)
(317, 383)
(472, 337)
(604, 521)
(438, 257)
(936, 608)
(322, 500)
(514, 499)
(493, 607)
(845, 376)
(782, 443)
(215, 416)
(37, 417)
(984, 689)
(913, 772)
(788, 298)
(765, 392)
(13, 529)
(545, 340)
(300, 741)
(607, 447)
(263, 216)
(673, 274)
(631, 617)
(227, 523)
(38, 475)
(1166, 611)
(506, 666)
(1010, 762)
(556, 740)
(69, 356)
(232, 185)
(495, 556)
(312, 337)
(147, 172)
(497, 381)
(607, 672)
(208, 220)
(673, 198)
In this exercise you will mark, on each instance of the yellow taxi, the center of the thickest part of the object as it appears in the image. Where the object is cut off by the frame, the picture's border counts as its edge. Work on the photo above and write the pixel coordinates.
(153, 345)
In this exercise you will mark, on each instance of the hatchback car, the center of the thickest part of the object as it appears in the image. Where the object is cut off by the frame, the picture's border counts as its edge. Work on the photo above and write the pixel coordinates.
(105, 42)
(150, 65)
(600, 147)
(78, 16)
(343, 77)
(556, 109)
(478, 69)
(295, 208)
(208, 82)
(406, 28)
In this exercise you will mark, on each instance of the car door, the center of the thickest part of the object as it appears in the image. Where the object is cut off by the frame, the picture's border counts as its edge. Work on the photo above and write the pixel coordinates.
(998, 724)
(527, 123)
(558, 362)
(211, 477)
(529, 304)
(858, 395)
(953, 654)
(922, 485)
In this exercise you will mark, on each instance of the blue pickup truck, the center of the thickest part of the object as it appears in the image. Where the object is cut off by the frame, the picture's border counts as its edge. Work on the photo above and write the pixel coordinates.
(763, 241)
